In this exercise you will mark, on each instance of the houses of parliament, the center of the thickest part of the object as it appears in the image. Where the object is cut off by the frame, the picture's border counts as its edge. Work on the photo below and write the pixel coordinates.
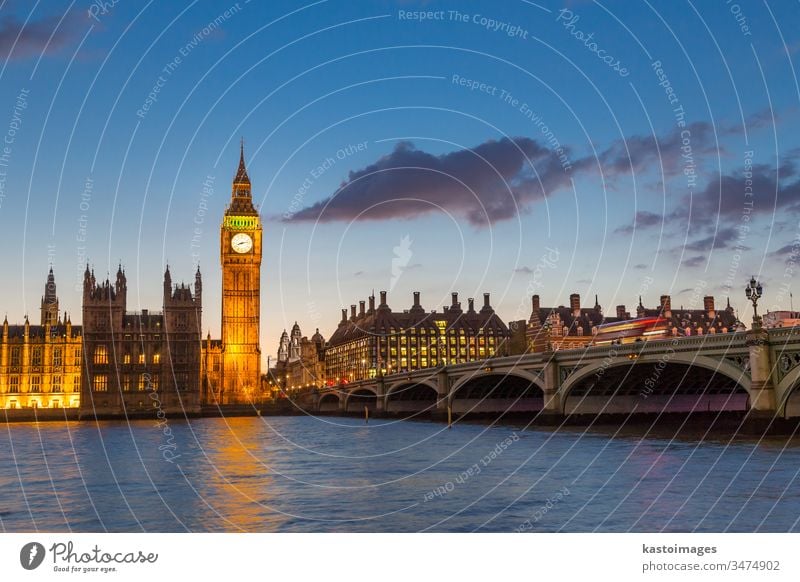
(120, 363)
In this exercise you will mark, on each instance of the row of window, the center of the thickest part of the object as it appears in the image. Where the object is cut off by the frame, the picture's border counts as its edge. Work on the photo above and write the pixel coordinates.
(35, 384)
(130, 382)
(37, 356)
(101, 356)
(137, 382)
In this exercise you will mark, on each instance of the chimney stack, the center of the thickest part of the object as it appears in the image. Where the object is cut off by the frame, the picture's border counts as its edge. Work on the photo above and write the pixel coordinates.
(471, 302)
(344, 316)
(486, 301)
(455, 300)
(575, 304)
(416, 298)
(708, 305)
(372, 303)
(353, 312)
(361, 307)
(621, 312)
(535, 303)
(383, 299)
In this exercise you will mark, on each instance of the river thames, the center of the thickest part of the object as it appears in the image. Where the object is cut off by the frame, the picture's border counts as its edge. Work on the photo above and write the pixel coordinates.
(305, 474)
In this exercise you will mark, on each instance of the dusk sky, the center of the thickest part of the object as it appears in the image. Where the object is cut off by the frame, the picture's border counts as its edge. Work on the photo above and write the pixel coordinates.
(507, 147)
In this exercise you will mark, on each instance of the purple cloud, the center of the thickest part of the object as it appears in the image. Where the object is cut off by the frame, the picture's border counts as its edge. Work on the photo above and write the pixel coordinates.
(490, 182)
(48, 35)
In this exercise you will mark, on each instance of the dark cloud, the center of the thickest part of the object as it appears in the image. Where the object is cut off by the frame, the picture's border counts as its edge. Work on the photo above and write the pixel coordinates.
(647, 152)
(765, 118)
(725, 205)
(726, 195)
(722, 239)
(643, 219)
(48, 35)
(491, 182)
(790, 250)
(640, 266)
(695, 261)
(524, 270)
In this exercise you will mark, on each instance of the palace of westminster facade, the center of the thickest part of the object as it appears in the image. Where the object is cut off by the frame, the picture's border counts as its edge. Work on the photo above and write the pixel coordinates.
(120, 363)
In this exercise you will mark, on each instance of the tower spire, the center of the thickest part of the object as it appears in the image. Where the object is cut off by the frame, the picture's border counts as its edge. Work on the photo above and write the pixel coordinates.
(241, 179)
(49, 307)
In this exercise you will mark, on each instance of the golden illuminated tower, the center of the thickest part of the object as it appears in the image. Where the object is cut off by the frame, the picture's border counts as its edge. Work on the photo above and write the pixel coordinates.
(240, 253)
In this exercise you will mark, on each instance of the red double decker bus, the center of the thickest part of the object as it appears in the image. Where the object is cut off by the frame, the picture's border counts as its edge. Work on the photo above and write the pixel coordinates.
(632, 330)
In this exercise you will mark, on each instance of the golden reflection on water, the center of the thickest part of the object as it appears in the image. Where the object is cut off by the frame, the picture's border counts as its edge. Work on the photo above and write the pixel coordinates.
(237, 481)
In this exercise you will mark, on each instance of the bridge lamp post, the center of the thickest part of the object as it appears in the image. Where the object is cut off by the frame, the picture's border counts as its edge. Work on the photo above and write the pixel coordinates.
(754, 292)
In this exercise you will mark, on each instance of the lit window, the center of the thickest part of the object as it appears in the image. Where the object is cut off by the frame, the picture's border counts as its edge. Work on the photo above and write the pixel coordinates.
(100, 355)
(141, 358)
(76, 384)
(100, 383)
(15, 356)
(56, 384)
(36, 356)
(57, 357)
(143, 382)
(157, 358)
(76, 357)
(126, 359)
(13, 384)
(36, 384)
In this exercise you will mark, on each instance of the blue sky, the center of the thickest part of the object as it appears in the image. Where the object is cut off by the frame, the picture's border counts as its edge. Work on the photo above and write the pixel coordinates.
(439, 132)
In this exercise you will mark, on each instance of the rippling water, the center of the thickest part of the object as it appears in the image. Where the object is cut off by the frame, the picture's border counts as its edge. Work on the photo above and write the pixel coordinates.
(338, 474)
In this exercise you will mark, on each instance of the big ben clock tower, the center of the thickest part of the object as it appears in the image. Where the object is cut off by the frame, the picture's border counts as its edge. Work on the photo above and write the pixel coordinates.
(240, 253)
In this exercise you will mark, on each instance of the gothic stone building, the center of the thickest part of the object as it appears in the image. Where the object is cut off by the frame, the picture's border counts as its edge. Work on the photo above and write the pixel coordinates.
(135, 362)
(40, 365)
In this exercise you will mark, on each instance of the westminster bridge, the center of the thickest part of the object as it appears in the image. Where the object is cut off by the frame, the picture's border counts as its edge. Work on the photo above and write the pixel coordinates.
(757, 370)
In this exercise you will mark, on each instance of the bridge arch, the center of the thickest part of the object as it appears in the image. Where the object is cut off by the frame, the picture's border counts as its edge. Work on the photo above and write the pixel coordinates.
(410, 396)
(328, 402)
(358, 398)
(787, 393)
(497, 392)
(646, 385)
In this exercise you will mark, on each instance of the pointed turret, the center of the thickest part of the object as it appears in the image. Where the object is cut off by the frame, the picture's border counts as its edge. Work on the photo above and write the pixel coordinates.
(49, 305)
(121, 284)
(198, 287)
(87, 281)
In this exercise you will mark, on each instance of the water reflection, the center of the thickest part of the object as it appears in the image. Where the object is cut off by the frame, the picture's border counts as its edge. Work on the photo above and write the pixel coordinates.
(307, 474)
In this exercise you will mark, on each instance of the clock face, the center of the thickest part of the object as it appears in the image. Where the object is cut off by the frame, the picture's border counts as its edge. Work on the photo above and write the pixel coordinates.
(241, 242)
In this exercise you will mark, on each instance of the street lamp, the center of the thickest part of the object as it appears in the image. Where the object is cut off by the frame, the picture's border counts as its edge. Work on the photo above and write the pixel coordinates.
(754, 292)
